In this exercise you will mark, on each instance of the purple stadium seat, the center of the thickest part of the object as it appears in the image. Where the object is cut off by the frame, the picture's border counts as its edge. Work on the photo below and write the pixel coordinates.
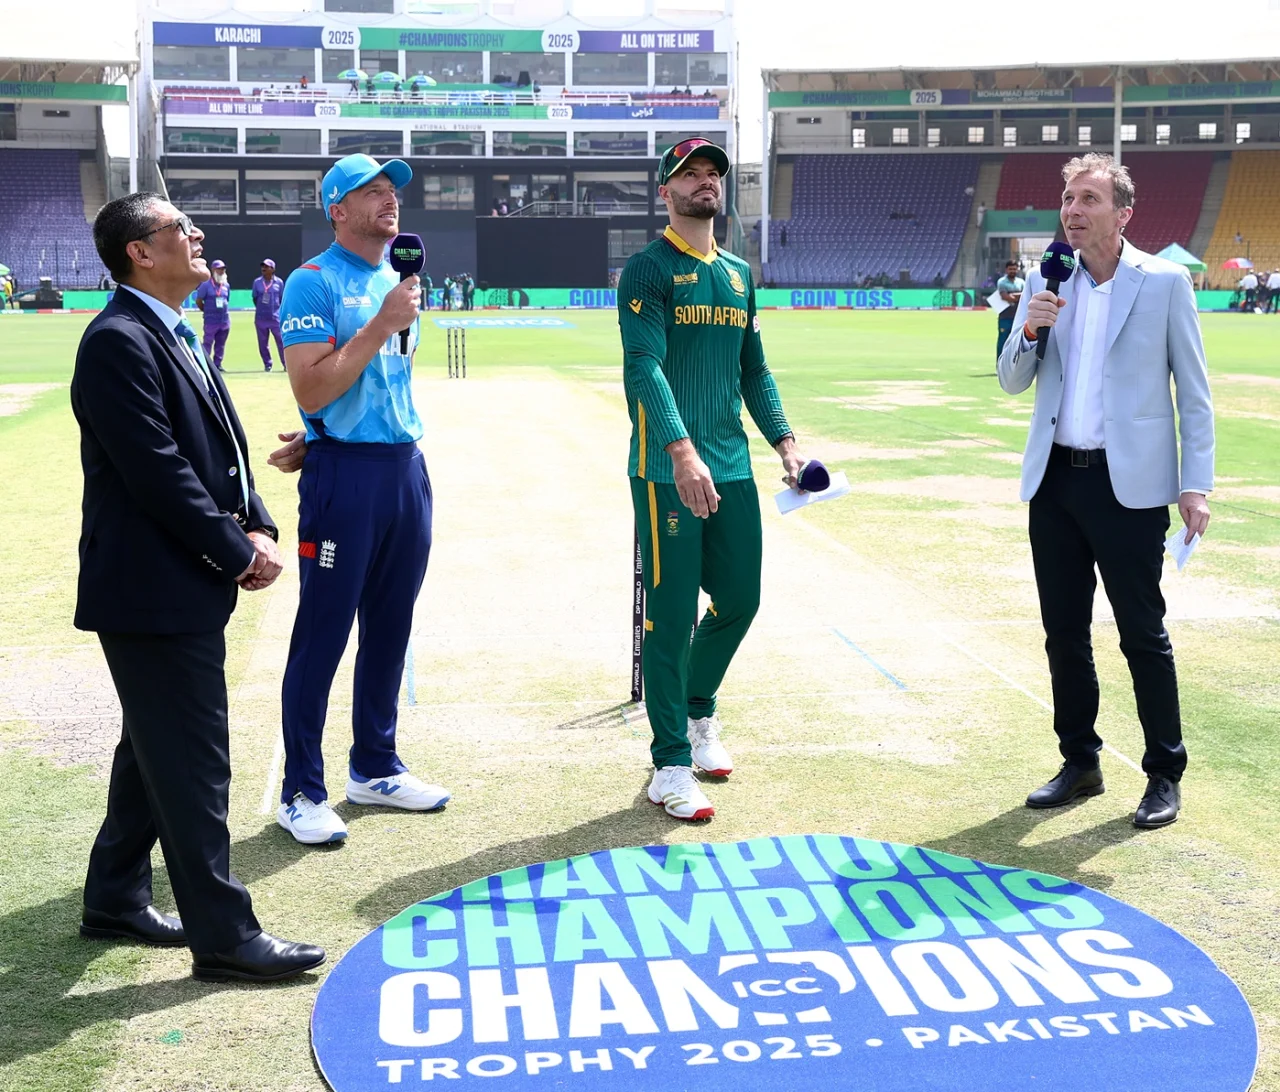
(43, 232)
(859, 215)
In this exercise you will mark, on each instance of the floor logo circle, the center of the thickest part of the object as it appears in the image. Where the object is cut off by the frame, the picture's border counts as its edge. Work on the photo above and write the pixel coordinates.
(802, 961)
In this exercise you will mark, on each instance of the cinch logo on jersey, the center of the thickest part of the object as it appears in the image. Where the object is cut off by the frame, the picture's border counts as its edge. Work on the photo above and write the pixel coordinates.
(703, 314)
(301, 322)
(805, 961)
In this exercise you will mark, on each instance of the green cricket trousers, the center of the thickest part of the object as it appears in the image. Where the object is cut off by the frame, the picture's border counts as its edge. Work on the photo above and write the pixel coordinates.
(682, 553)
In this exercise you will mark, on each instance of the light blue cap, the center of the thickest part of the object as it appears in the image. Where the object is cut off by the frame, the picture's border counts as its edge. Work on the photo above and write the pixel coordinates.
(353, 171)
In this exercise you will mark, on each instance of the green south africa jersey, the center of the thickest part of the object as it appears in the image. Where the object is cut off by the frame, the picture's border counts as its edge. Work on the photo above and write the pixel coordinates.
(691, 357)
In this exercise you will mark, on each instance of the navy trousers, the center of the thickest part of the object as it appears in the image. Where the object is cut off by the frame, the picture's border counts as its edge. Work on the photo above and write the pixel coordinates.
(364, 535)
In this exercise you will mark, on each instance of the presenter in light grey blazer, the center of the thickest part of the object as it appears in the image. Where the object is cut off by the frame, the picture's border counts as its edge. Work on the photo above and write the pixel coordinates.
(1101, 468)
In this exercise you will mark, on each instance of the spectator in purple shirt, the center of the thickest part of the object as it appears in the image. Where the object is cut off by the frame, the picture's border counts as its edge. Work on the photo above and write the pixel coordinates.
(213, 298)
(267, 291)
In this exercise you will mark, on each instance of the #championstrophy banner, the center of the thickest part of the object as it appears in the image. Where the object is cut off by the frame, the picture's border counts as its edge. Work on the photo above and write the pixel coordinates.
(814, 961)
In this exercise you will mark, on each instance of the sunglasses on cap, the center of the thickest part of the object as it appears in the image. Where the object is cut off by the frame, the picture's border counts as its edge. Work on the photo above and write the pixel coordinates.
(687, 147)
(182, 223)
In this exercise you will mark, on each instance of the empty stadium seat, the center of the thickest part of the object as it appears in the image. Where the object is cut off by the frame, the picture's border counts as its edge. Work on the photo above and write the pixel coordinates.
(43, 232)
(854, 216)
(1248, 207)
(1169, 189)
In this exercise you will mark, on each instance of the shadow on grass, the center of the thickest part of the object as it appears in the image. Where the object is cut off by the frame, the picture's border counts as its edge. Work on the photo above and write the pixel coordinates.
(43, 957)
(1000, 841)
(641, 824)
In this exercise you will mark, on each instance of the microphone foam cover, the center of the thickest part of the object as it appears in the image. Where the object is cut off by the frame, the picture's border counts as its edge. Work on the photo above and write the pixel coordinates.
(1058, 262)
(813, 477)
(408, 255)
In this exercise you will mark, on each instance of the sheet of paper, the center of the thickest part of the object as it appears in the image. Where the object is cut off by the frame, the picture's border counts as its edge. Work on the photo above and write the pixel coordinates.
(1179, 548)
(791, 499)
(997, 304)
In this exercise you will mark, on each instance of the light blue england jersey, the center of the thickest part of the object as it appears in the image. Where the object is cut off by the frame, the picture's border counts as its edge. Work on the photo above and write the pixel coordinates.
(330, 298)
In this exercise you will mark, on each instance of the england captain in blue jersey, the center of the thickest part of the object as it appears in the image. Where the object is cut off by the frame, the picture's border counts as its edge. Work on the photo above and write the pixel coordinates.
(364, 512)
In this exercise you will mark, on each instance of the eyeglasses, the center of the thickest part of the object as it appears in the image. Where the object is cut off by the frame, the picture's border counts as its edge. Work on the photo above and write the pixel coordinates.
(182, 223)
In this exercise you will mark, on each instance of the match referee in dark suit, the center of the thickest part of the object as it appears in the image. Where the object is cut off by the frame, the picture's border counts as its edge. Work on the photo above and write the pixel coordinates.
(172, 527)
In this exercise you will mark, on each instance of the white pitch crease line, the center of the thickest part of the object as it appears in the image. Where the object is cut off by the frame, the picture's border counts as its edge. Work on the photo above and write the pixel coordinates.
(1023, 690)
(272, 786)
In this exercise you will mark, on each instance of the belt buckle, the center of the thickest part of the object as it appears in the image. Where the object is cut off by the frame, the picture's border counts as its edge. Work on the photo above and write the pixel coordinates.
(1079, 458)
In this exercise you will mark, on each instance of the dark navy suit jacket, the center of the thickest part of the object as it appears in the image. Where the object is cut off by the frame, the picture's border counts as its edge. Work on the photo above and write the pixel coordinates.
(165, 525)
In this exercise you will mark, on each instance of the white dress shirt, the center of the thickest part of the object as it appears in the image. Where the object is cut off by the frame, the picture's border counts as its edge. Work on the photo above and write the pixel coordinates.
(1273, 281)
(171, 318)
(1081, 415)
(1249, 282)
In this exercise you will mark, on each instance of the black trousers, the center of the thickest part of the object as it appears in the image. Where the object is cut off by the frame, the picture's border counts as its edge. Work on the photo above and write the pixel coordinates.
(170, 780)
(1077, 523)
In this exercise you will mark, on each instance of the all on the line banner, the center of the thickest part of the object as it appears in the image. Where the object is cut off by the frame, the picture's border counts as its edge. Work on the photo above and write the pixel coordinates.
(805, 961)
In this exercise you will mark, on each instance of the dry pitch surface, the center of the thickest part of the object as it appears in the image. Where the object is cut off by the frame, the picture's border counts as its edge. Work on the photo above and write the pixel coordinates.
(893, 685)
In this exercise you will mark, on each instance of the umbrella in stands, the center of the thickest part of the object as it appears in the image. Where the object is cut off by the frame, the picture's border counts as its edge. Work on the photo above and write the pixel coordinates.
(387, 79)
(353, 74)
(4, 270)
(1237, 263)
(422, 80)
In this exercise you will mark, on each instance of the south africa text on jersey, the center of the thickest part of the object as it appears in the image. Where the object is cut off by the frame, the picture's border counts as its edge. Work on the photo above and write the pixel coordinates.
(703, 314)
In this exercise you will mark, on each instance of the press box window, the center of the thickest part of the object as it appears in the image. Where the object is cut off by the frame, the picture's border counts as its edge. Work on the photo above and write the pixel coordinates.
(610, 69)
(977, 134)
(933, 137)
(443, 67)
(1048, 134)
(282, 141)
(513, 143)
(333, 61)
(446, 143)
(1010, 136)
(1243, 129)
(374, 61)
(859, 138)
(448, 191)
(1084, 135)
(901, 136)
(1128, 134)
(808, 121)
(202, 194)
(542, 68)
(349, 142)
(200, 141)
(279, 194)
(1164, 133)
(191, 62)
(282, 65)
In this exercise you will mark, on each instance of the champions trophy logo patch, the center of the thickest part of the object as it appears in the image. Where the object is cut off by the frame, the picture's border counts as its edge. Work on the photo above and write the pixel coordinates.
(804, 961)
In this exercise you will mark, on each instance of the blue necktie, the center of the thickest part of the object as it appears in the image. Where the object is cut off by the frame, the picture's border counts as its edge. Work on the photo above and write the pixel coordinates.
(185, 331)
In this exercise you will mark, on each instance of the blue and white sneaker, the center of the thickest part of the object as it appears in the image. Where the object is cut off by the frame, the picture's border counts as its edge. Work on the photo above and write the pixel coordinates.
(401, 790)
(311, 824)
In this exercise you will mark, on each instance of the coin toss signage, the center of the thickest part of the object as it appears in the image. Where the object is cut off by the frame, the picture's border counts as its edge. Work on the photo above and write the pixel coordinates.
(806, 961)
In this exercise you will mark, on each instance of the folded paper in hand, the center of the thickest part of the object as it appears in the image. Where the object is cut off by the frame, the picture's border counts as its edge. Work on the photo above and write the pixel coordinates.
(1178, 546)
(791, 499)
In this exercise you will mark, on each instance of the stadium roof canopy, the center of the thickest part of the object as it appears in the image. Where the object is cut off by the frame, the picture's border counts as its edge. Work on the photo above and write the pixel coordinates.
(1026, 75)
(85, 35)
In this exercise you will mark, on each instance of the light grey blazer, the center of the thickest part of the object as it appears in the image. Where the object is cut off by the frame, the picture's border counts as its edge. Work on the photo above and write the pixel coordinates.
(1153, 331)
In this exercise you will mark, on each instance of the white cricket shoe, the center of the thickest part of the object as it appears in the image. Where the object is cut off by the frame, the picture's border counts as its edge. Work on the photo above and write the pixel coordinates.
(676, 790)
(709, 754)
(311, 824)
(401, 790)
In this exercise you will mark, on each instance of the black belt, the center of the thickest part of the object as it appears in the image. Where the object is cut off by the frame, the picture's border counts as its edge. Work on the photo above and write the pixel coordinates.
(1079, 457)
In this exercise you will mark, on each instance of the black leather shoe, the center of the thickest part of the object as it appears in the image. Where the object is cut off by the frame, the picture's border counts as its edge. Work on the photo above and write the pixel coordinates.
(1160, 803)
(263, 959)
(1071, 783)
(146, 926)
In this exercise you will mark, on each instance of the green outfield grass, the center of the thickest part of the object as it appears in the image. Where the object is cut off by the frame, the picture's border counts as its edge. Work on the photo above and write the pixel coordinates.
(521, 665)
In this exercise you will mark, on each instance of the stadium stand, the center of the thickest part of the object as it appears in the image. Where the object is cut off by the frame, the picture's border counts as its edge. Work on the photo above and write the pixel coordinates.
(854, 216)
(43, 231)
(1248, 207)
(1170, 189)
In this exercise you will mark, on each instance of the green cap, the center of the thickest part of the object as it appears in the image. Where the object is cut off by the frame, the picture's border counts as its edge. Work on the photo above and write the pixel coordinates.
(674, 157)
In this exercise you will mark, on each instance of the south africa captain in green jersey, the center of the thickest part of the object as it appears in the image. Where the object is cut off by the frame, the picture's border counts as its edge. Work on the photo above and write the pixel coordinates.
(691, 358)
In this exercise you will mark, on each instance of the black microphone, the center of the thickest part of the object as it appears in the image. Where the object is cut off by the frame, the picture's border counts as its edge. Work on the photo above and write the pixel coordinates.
(408, 256)
(1056, 265)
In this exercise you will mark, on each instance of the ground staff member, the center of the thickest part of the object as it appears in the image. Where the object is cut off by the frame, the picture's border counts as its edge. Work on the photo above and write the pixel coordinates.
(1101, 469)
(691, 356)
(267, 292)
(213, 298)
(364, 513)
(1010, 287)
(172, 528)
